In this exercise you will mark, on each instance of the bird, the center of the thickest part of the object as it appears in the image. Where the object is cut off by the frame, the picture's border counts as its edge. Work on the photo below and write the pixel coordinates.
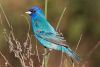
(47, 35)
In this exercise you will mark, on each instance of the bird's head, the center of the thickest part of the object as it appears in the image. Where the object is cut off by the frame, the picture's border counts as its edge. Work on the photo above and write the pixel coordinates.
(34, 11)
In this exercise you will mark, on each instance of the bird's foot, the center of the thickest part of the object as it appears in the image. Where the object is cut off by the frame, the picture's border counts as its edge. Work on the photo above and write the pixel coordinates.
(72, 61)
(47, 53)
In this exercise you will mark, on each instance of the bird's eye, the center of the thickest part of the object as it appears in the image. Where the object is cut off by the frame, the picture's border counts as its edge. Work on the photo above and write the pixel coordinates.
(33, 11)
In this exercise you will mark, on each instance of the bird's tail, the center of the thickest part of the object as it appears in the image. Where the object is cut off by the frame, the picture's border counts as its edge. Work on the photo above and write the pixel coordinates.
(72, 54)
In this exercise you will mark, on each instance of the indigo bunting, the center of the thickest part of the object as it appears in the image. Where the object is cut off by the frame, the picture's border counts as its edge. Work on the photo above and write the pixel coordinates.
(47, 35)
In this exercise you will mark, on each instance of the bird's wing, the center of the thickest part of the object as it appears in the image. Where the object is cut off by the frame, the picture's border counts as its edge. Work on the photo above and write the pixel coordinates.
(53, 38)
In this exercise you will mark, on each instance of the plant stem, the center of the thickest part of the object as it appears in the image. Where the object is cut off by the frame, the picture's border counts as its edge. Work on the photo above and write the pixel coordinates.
(60, 18)
(46, 57)
(46, 6)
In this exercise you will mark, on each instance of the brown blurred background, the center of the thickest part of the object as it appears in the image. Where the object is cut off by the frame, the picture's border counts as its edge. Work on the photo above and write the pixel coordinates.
(82, 17)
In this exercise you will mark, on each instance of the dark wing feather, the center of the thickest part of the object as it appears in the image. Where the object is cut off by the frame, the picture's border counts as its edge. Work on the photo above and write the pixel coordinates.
(53, 38)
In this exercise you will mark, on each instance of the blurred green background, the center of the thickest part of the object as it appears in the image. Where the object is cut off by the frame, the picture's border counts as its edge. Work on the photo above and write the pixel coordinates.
(82, 17)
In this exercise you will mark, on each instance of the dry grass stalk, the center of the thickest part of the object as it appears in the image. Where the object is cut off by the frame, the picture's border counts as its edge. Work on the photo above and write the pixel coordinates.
(24, 51)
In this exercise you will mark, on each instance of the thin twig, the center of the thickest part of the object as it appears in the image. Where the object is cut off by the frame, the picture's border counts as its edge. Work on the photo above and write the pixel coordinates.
(7, 62)
(46, 6)
(58, 24)
(5, 17)
(37, 52)
(27, 22)
(78, 42)
(61, 59)
(73, 65)
(96, 46)
(90, 53)
(0, 19)
(45, 58)
(2, 25)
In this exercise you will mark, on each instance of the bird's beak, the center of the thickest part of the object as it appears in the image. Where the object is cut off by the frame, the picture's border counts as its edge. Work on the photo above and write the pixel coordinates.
(28, 12)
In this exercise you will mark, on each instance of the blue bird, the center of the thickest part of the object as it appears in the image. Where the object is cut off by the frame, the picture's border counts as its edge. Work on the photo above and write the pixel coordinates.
(47, 35)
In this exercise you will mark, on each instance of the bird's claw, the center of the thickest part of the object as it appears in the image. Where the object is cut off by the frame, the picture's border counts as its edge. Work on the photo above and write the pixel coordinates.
(47, 53)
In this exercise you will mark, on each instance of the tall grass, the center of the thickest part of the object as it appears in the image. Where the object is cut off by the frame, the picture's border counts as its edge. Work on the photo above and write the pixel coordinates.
(46, 57)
